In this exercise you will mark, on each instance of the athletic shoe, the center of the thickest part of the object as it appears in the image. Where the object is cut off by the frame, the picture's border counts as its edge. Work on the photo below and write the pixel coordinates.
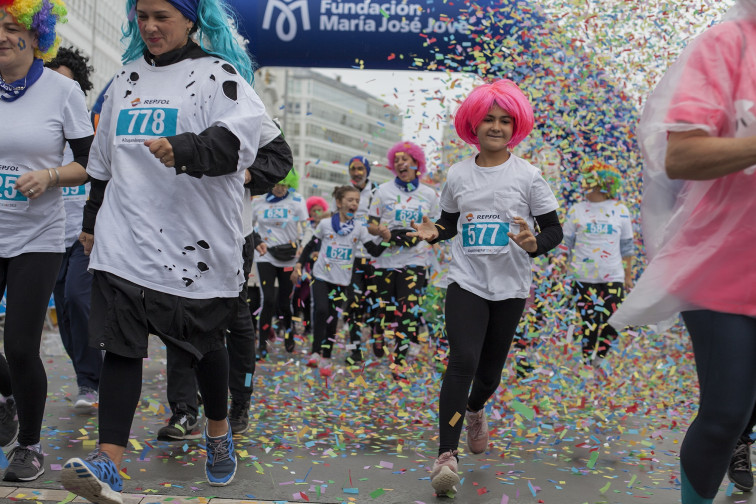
(326, 367)
(25, 465)
(289, 342)
(378, 348)
(477, 431)
(181, 426)
(314, 360)
(354, 359)
(8, 423)
(86, 400)
(739, 471)
(238, 416)
(444, 477)
(95, 478)
(220, 466)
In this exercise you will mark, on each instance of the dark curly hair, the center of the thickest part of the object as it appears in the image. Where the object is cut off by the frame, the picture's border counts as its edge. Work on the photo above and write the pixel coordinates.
(77, 62)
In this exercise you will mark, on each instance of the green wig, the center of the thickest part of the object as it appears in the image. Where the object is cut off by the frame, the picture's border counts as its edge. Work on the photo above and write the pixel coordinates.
(291, 180)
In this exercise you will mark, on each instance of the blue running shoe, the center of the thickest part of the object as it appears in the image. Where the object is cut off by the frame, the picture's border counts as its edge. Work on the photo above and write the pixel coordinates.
(95, 478)
(220, 466)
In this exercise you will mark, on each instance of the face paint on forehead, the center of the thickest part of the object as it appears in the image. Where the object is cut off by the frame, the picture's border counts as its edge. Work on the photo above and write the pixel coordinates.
(2, 14)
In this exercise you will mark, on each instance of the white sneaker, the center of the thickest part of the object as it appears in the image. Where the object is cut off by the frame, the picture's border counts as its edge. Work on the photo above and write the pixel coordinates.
(314, 360)
(444, 476)
(86, 401)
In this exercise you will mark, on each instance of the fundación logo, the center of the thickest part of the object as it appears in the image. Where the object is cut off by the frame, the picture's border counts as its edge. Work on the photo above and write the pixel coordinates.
(286, 22)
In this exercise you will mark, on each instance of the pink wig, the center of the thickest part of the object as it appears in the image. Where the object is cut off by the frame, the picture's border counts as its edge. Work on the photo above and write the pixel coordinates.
(506, 95)
(415, 153)
(316, 200)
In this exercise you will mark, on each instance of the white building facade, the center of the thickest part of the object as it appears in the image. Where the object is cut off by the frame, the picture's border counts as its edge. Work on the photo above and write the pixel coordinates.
(326, 123)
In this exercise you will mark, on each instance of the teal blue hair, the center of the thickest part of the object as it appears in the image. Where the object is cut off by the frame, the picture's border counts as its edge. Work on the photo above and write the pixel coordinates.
(214, 34)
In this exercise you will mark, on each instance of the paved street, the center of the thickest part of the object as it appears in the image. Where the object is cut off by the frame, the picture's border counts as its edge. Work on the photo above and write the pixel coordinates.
(563, 435)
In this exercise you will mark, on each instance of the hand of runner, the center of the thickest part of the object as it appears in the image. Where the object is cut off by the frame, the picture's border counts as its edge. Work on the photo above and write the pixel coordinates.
(426, 230)
(87, 240)
(525, 239)
(162, 150)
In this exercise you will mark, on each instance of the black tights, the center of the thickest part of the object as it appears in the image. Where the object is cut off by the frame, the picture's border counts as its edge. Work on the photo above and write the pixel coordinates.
(121, 386)
(267, 275)
(400, 292)
(480, 333)
(326, 297)
(29, 279)
(596, 303)
(725, 348)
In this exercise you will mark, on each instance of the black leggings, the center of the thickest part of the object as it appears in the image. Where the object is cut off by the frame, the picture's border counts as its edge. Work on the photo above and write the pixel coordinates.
(398, 310)
(29, 280)
(268, 274)
(121, 386)
(480, 333)
(359, 298)
(725, 349)
(596, 303)
(326, 298)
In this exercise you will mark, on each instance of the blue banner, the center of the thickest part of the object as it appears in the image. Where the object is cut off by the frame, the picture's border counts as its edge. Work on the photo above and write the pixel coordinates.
(374, 34)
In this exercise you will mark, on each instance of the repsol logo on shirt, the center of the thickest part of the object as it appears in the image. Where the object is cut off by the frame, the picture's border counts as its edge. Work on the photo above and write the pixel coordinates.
(8, 168)
(157, 102)
(470, 216)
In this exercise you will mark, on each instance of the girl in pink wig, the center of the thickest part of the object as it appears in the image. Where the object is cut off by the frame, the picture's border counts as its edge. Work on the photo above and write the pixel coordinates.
(401, 270)
(489, 205)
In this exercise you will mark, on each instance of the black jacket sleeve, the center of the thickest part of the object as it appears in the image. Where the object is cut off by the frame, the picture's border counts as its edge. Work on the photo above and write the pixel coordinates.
(256, 239)
(446, 225)
(92, 206)
(213, 152)
(375, 249)
(312, 246)
(273, 162)
(80, 148)
(550, 235)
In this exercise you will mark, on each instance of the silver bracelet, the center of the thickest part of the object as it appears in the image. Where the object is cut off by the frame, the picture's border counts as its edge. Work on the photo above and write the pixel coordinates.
(57, 177)
(49, 172)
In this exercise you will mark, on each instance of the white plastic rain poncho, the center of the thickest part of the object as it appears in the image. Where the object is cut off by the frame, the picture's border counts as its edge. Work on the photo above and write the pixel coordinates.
(700, 236)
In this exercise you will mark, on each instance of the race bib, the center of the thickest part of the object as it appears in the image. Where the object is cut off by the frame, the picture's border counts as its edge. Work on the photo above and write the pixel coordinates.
(10, 198)
(599, 228)
(339, 253)
(147, 119)
(406, 215)
(276, 214)
(481, 234)
(77, 193)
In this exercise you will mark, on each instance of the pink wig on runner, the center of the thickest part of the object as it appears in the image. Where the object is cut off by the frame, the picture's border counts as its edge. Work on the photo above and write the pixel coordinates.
(413, 150)
(316, 200)
(506, 95)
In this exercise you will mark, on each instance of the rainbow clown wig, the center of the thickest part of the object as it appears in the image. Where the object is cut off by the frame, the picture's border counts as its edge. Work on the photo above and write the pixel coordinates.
(602, 175)
(475, 107)
(415, 153)
(39, 17)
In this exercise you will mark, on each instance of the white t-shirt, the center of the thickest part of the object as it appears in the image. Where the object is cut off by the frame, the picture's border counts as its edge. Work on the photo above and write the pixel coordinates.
(598, 229)
(336, 256)
(396, 208)
(268, 133)
(74, 199)
(484, 260)
(35, 127)
(279, 223)
(172, 233)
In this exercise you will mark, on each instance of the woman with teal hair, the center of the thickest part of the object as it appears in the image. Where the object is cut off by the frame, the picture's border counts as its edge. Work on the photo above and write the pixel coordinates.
(180, 125)
(280, 218)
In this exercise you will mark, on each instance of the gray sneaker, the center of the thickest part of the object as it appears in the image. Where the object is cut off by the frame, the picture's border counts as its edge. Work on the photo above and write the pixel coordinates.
(180, 427)
(739, 471)
(8, 423)
(25, 465)
(86, 401)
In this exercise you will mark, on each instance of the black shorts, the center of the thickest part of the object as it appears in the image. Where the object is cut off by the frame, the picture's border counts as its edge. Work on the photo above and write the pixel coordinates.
(124, 314)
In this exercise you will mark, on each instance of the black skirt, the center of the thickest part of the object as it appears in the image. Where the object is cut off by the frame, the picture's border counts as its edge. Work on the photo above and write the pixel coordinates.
(124, 314)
